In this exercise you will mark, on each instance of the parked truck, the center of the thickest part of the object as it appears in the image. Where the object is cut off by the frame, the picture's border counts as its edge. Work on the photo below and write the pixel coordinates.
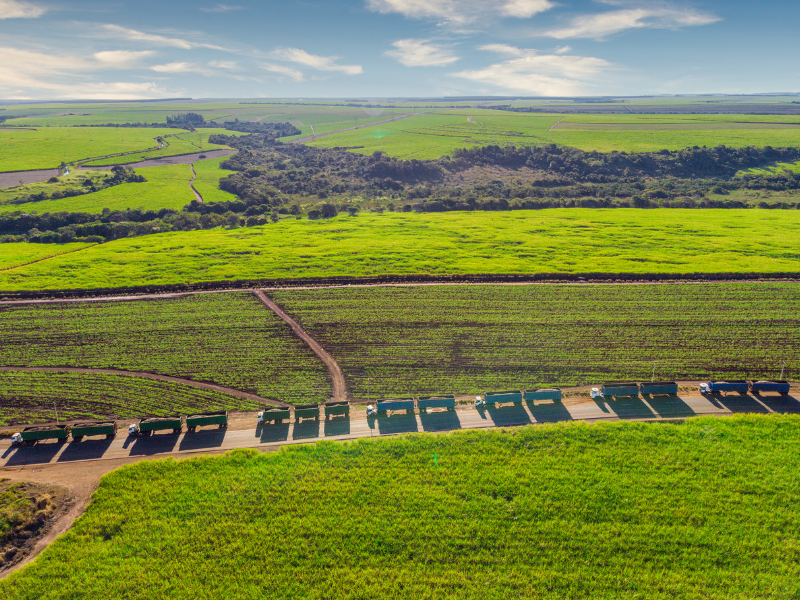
(447, 401)
(506, 397)
(337, 408)
(93, 428)
(388, 405)
(146, 427)
(659, 388)
(276, 415)
(625, 388)
(780, 386)
(30, 435)
(717, 387)
(218, 418)
(306, 411)
(553, 394)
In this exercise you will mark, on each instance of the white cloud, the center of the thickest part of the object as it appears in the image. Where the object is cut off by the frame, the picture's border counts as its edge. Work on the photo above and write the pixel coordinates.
(58, 75)
(285, 71)
(461, 12)
(421, 53)
(121, 58)
(221, 8)
(539, 74)
(321, 63)
(13, 9)
(176, 67)
(224, 64)
(119, 32)
(657, 16)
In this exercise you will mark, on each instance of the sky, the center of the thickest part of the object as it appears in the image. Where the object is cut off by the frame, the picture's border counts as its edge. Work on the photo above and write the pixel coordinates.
(80, 49)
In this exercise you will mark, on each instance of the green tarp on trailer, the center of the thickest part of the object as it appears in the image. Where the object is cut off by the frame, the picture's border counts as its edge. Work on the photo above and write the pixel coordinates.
(494, 398)
(306, 411)
(336, 408)
(546, 394)
(219, 418)
(446, 401)
(659, 388)
(82, 430)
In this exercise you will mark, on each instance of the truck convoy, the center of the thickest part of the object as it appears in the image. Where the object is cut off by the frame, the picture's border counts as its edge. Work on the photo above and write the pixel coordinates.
(146, 427)
(30, 435)
(743, 387)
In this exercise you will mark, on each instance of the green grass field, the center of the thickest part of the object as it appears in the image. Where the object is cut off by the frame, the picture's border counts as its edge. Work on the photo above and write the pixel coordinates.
(166, 187)
(474, 339)
(704, 509)
(548, 241)
(179, 143)
(16, 254)
(28, 397)
(229, 339)
(207, 183)
(48, 147)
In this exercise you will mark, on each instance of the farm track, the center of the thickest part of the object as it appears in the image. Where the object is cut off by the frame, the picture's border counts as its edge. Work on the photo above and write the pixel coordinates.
(191, 185)
(80, 465)
(311, 138)
(145, 375)
(339, 385)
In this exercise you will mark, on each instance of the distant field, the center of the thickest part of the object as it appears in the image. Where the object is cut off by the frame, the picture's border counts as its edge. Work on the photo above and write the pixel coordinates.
(48, 147)
(182, 143)
(28, 397)
(166, 187)
(704, 509)
(229, 339)
(207, 183)
(13, 255)
(473, 339)
(547, 241)
(433, 136)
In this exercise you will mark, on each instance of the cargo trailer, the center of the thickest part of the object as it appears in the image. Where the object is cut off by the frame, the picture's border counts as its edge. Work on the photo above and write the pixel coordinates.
(93, 428)
(553, 394)
(507, 397)
(306, 411)
(274, 414)
(394, 404)
(734, 385)
(218, 418)
(30, 435)
(447, 401)
(337, 408)
(620, 389)
(659, 388)
(779, 386)
(147, 427)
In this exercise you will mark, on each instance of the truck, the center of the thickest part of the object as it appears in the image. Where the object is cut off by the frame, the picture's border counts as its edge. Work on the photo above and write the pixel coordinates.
(780, 386)
(553, 394)
(92, 428)
(495, 398)
(277, 415)
(306, 411)
(394, 404)
(733, 385)
(659, 388)
(218, 418)
(30, 435)
(146, 427)
(447, 401)
(337, 408)
(620, 388)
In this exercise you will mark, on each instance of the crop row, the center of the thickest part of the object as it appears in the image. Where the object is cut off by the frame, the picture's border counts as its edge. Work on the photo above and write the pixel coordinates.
(468, 339)
(35, 397)
(229, 339)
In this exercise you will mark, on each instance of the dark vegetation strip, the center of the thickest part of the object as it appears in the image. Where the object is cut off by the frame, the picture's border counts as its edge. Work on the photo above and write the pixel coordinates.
(379, 280)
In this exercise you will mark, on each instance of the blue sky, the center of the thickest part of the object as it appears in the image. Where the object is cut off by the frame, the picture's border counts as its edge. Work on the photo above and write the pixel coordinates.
(70, 49)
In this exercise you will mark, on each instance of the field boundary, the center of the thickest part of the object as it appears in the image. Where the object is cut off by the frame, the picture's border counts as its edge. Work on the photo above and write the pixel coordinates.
(7, 297)
(38, 260)
(144, 375)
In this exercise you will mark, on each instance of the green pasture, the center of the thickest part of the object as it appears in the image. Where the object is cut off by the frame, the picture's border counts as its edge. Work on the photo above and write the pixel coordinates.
(703, 509)
(28, 397)
(21, 253)
(230, 339)
(48, 147)
(179, 143)
(166, 187)
(548, 241)
(472, 339)
(209, 174)
(74, 180)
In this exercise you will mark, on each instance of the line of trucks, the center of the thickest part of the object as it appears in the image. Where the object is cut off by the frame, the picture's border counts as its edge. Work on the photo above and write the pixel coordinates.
(145, 427)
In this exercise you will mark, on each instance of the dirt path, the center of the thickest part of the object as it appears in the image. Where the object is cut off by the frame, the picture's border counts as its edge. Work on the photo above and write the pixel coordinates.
(469, 120)
(339, 386)
(143, 375)
(311, 138)
(191, 185)
(554, 125)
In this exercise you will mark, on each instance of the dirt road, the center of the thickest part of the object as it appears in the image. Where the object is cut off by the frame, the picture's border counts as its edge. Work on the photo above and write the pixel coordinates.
(144, 375)
(339, 386)
(191, 185)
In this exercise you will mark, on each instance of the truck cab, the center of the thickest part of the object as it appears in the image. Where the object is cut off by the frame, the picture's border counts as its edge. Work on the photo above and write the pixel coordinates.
(704, 388)
(371, 410)
(133, 429)
(16, 439)
(596, 394)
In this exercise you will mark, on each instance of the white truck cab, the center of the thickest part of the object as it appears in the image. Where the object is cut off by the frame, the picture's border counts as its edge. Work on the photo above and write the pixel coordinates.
(479, 401)
(371, 410)
(596, 393)
(704, 389)
(16, 439)
(133, 429)
(261, 417)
